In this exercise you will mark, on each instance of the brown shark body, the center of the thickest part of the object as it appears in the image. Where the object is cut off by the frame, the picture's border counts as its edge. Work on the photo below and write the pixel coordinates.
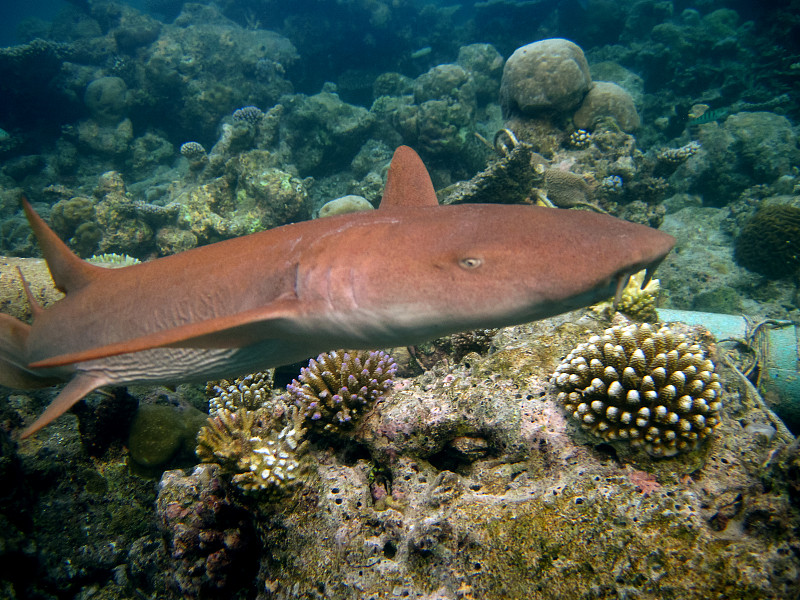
(408, 272)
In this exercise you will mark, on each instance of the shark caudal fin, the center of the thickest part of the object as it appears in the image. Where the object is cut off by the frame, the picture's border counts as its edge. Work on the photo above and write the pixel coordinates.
(13, 370)
(69, 272)
(408, 183)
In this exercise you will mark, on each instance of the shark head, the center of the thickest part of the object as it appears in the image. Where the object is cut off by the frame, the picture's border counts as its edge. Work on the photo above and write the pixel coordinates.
(427, 270)
(490, 266)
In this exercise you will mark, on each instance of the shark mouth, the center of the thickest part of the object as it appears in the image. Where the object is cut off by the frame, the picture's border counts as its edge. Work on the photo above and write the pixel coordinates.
(624, 278)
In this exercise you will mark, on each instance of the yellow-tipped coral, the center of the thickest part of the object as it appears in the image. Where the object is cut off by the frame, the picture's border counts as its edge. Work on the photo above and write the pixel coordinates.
(249, 392)
(639, 304)
(656, 390)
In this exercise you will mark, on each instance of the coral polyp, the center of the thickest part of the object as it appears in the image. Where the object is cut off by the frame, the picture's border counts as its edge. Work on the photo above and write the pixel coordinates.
(655, 389)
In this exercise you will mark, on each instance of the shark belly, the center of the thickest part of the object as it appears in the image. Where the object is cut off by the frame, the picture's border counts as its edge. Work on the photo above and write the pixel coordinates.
(177, 365)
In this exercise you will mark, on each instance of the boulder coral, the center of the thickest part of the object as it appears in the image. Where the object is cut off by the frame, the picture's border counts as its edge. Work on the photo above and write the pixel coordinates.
(546, 77)
(769, 243)
(606, 99)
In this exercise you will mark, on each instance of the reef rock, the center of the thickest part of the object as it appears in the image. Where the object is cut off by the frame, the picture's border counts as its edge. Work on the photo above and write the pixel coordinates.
(344, 205)
(545, 77)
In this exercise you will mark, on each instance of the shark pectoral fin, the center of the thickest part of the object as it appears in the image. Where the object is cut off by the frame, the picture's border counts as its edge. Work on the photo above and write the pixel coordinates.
(77, 388)
(231, 331)
(13, 368)
(622, 281)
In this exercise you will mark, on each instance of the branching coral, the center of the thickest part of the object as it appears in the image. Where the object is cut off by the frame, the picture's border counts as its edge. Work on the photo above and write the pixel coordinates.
(655, 389)
(249, 392)
(249, 115)
(263, 449)
(337, 388)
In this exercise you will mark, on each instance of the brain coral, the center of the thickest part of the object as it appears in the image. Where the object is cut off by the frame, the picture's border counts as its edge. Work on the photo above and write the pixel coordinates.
(769, 243)
(548, 76)
(607, 99)
(655, 389)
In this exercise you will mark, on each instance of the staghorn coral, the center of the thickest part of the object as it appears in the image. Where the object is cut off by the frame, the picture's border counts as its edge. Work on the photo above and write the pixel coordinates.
(655, 389)
(338, 387)
(264, 449)
(250, 392)
(769, 243)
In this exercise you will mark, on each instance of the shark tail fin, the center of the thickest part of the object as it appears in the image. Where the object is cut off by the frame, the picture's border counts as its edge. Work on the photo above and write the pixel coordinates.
(68, 271)
(13, 371)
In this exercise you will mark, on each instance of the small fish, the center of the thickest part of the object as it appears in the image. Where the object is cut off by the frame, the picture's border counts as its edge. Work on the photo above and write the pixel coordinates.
(710, 115)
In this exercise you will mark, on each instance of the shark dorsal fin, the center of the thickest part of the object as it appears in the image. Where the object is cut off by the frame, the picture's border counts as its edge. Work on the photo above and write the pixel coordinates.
(68, 271)
(408, 183)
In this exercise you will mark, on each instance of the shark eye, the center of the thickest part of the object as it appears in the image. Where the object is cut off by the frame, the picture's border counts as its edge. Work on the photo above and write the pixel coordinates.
(470, 262)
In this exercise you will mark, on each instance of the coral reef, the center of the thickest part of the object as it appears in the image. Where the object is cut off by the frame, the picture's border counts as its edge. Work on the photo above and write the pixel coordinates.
(509, 180)
(211, 540)
(653, 389)
(746, 149)
(468, 479)
(337, 388)
(324, 132)
(769, 243)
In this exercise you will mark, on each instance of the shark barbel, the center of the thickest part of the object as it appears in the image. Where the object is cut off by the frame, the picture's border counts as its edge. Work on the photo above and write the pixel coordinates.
(405, 273)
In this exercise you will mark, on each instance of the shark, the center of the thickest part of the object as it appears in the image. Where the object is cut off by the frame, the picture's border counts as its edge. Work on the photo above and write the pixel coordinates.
(410, 271)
